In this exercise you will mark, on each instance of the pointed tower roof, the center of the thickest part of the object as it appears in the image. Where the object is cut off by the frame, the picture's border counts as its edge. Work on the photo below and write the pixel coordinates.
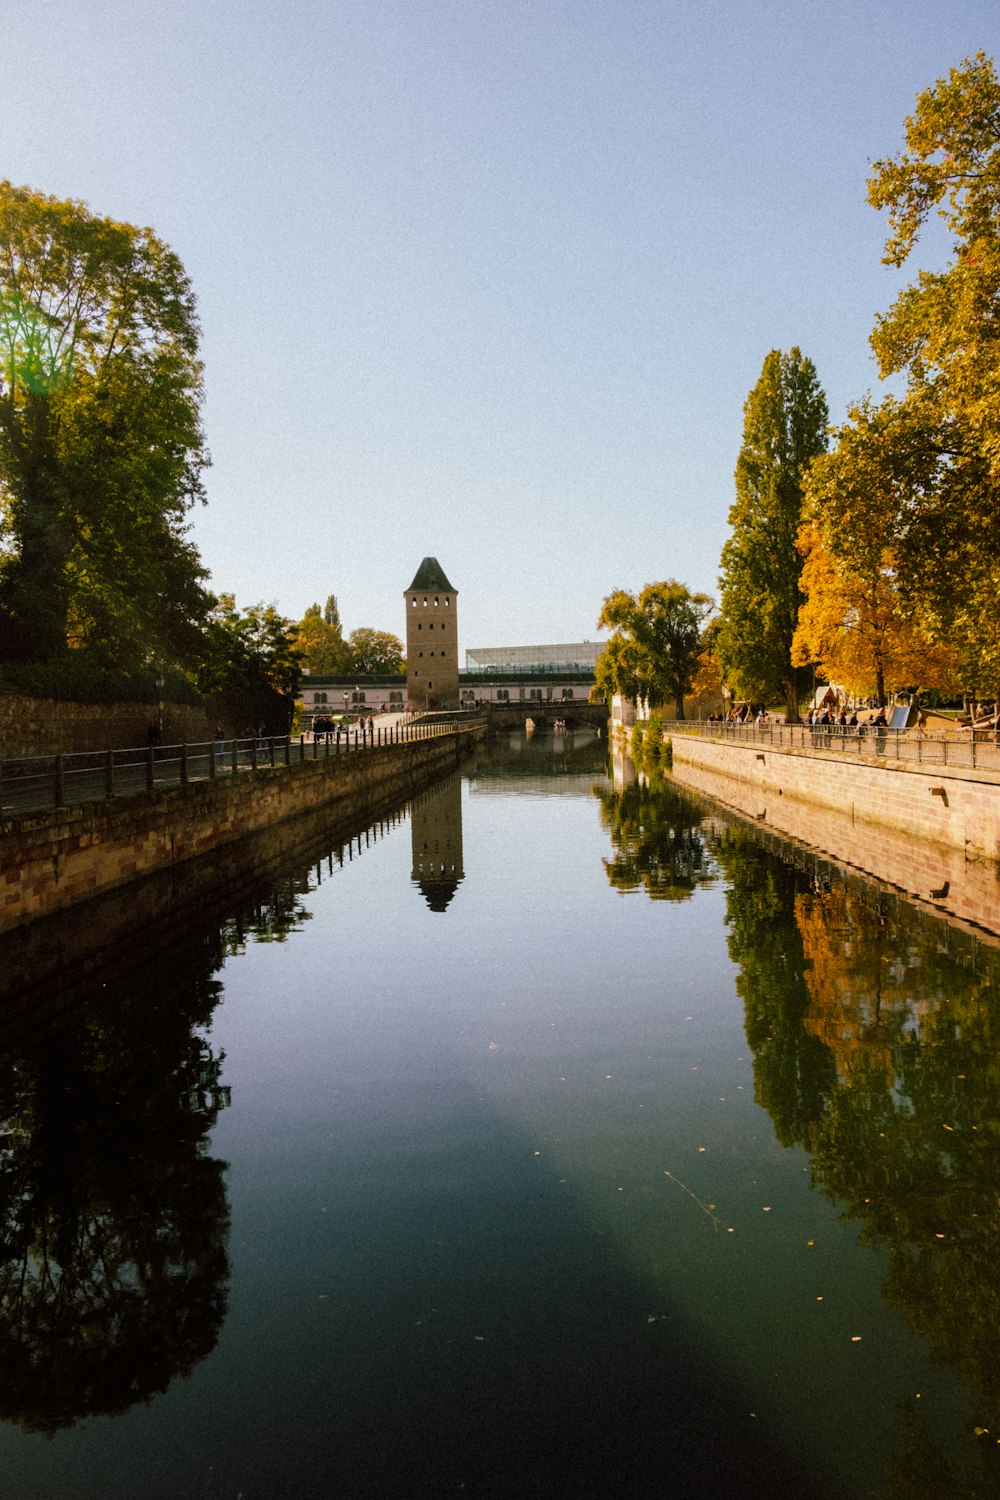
(430, 576)
(438, 893)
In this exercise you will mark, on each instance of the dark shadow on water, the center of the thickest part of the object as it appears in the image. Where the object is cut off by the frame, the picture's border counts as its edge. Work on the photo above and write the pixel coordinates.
(481, 1334)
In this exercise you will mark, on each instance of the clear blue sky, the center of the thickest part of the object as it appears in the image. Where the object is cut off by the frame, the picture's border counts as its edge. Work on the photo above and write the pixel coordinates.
(487, 281)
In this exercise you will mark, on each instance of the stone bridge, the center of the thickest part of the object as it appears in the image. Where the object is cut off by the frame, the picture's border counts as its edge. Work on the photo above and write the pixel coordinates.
(544, 715)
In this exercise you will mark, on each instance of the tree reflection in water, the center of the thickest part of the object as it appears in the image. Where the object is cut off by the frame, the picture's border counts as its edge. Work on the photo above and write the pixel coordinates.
(876, 1046)
(875, 1032)
(659, 844)
(113, 1217)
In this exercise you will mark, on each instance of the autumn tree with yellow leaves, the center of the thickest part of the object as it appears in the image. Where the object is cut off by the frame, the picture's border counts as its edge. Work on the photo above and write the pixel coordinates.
(855, 627)
(929, 463)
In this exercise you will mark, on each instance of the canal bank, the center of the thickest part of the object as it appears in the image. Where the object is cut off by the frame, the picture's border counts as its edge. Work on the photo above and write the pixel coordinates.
(931, 831)
(54, 860)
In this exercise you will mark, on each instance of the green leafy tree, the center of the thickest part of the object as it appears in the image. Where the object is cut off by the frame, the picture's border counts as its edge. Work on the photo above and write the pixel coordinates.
(253, 662)
(656, 647)
(374, 651)
(101, 446)
(784, 428)
(319, 638)
(615, 670)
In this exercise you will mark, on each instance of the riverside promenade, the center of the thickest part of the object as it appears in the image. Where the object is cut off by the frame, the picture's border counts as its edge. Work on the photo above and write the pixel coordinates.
(928, 826)
(91, 843)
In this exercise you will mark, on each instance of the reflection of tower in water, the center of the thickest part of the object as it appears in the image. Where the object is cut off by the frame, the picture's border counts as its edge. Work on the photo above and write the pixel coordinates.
(436, 833)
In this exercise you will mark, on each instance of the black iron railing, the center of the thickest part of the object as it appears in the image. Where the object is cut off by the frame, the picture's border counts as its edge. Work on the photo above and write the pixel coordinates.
(978, 750)
(37, 783)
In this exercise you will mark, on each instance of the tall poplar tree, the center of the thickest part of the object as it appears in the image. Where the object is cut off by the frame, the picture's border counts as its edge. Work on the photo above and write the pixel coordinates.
(784, 428)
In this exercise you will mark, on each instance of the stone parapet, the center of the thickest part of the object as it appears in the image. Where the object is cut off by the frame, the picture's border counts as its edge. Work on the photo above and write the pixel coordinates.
(933, 832)
(53, 861)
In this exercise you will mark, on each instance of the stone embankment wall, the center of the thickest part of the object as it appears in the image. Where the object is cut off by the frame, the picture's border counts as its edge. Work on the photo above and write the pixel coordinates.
(47, 726)
(50, 862)
(931, 831)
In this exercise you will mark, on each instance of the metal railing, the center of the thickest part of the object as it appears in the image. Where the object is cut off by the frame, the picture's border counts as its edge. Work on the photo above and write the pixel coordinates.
(979, 750)
(39, 783)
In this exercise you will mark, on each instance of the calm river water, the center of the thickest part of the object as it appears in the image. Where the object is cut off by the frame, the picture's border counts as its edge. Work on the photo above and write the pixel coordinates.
(541, 1140)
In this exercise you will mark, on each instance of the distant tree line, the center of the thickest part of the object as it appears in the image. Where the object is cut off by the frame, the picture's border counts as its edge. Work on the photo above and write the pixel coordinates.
(320, 638)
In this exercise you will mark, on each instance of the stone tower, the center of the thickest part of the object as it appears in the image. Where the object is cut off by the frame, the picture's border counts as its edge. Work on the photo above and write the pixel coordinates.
(431, 639)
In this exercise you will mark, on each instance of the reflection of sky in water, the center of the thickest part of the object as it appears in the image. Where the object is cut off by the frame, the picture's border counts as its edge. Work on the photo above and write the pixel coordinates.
(484, 1165)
